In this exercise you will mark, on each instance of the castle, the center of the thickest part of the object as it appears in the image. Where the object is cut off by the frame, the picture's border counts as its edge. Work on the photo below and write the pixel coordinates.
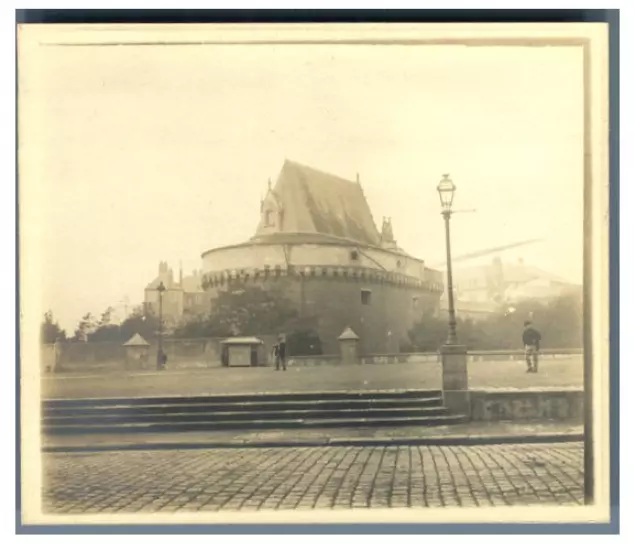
(316, 242)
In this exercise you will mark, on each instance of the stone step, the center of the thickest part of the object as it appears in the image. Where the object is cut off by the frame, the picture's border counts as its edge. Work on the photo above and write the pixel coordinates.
(252, 425)
(261, 406)
(219, 416)
(238, 398)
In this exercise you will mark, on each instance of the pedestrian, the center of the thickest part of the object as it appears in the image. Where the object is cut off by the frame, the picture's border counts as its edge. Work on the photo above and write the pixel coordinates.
(274, 354)
(531, 341)
(281, 355)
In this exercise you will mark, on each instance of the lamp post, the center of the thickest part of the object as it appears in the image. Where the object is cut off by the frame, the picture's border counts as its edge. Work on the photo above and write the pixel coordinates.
(160, 290)
(456, 395)
(446, 189)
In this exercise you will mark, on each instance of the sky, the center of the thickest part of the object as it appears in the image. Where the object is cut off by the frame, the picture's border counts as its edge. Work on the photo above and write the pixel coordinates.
(139, 154)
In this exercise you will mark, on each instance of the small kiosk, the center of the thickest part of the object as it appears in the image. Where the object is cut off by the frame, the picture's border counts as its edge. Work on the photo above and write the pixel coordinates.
(247, 351)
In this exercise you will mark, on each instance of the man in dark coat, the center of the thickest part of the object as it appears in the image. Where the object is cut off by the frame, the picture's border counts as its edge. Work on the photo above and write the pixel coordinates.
(281, 353)
(531, 341)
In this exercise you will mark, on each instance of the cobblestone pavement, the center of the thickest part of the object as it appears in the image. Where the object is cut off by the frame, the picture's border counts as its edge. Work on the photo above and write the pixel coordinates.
(313, 477)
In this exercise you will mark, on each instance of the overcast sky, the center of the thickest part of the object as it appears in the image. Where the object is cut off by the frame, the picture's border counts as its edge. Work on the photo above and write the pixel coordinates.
(141, 154)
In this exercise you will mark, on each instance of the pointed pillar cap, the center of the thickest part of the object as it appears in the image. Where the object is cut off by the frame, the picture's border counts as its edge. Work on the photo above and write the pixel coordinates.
(137, 341)
(348, 334)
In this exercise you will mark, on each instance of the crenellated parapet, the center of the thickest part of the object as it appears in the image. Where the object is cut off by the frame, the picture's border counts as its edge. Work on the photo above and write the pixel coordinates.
(215, 279)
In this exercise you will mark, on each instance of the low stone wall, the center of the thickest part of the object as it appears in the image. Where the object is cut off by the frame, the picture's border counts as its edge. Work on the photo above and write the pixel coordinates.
(49, 357)
(111, 356)
(519, 355)
(472, 356)
(493, 406)
(399, 358)
(314, 360)
(205, 353)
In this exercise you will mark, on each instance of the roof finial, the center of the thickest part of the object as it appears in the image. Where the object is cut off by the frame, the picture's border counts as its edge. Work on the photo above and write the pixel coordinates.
(357, 177)
(269, 184)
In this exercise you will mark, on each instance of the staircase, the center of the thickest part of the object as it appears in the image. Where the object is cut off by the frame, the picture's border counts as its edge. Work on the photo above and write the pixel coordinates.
(247, 412)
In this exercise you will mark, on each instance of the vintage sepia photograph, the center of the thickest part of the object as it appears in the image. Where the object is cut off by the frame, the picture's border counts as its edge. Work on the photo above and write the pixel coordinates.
(313, 273)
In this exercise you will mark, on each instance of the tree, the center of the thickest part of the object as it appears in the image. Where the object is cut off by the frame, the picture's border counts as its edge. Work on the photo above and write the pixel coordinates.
(559, 321)
(106, 330)
(141, 322)
(244, 310)
(426, 335)
(50, 331)
(86, 326)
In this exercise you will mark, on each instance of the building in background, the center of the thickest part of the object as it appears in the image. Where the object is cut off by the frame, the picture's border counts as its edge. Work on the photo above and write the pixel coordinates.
(317, 243)
(484, 289)
(182, 298)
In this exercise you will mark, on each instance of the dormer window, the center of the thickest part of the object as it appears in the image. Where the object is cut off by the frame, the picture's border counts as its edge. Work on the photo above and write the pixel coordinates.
(354, 255)
(268, 218)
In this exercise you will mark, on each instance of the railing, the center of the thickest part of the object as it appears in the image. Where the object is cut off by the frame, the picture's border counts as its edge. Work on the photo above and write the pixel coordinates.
(555, 351)
(434, 357)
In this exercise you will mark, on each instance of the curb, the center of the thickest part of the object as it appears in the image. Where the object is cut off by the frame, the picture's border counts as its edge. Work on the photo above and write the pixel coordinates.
(331, 442)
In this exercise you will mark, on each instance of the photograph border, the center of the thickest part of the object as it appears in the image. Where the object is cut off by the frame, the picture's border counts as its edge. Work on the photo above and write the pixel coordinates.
(611, 17)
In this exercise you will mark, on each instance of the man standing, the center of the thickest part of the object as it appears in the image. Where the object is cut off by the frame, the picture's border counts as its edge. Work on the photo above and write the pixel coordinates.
(281, 353)
(531, 341)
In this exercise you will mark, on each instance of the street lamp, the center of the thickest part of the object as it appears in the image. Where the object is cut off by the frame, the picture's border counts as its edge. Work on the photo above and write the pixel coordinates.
(446, 189)
(456, 395)
(160, 290)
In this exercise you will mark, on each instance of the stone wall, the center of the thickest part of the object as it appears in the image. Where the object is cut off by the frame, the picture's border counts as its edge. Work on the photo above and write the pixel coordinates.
(314, 360)
(388, 359)
(252, 256)
(111, 356)
(93, 355)
(49, 357)
(336, 303)
(527, 405)
(205, 353)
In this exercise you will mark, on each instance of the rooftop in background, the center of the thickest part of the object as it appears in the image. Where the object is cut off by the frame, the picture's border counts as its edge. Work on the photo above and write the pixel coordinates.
(518, 272)
(188, 283)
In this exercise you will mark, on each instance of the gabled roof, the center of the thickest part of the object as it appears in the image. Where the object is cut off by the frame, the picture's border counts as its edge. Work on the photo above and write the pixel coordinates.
(317, 202)
(136, 340)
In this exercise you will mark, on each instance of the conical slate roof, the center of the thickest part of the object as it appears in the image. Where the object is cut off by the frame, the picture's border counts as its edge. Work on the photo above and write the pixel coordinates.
(136, 340)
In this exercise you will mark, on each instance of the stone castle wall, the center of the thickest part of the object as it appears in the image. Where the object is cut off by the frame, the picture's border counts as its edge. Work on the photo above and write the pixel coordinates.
(252, 258)
(335, 302)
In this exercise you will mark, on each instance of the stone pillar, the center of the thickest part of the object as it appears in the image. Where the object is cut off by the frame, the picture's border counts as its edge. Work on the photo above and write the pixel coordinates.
(136, 358)
(349, 352)
(456, 394)
(137, 353)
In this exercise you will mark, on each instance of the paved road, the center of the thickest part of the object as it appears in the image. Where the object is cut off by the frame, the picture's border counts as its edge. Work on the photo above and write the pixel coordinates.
(313, 477)
(493, 374)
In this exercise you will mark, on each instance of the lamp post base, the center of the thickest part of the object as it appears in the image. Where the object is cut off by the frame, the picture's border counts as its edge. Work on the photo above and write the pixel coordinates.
(456, 394)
